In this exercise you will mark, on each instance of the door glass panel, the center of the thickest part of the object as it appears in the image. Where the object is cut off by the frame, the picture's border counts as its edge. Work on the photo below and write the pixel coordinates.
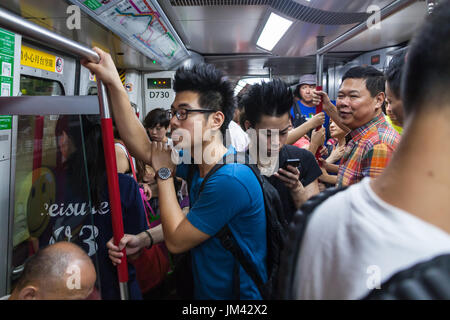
(52, 199)
(32, 86)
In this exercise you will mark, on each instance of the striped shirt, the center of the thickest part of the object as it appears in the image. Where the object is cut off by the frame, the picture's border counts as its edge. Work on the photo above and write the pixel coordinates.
(368, 151)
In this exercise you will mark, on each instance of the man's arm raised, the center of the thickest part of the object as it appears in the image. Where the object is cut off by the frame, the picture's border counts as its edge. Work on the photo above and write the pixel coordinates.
(329, 108)
(309, 125)
(130, 128)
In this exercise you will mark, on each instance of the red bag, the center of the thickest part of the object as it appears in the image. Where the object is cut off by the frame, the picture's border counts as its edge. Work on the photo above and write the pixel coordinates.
(153, 264)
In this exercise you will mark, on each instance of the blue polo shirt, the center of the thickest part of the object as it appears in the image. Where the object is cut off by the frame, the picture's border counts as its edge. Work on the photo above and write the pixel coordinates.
(231, 196)
(309, 112)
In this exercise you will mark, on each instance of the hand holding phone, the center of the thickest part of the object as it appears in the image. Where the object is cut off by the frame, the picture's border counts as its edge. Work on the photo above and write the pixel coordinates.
(293, 162)
(290, 176)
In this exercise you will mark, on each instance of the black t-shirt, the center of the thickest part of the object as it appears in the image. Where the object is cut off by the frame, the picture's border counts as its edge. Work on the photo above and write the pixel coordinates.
(309, 171)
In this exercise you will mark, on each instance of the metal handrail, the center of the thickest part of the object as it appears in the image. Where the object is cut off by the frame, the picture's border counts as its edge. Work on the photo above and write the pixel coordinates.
(384, 13)
(387, 11)
(32, 31)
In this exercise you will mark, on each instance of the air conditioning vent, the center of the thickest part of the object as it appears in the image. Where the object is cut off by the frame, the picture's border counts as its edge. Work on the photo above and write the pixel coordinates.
(203, 3)
(288, 7)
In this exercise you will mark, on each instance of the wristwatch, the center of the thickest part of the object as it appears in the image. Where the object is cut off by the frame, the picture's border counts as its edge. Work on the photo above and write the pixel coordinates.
(164, 173)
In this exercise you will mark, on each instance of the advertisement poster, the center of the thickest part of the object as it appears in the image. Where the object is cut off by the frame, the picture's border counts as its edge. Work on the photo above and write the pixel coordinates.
(7, 41)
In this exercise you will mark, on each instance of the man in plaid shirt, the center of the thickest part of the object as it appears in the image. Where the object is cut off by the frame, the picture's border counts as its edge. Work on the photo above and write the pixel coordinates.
(371, 141)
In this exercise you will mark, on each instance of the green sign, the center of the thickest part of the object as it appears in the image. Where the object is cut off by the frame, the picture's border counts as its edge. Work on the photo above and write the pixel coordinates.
(6, 86)
(5, 122)
(7, 41)
(6, 66)
(92, 4)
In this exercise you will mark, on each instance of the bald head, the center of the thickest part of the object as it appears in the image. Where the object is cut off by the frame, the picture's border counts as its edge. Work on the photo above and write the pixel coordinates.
(60, 271)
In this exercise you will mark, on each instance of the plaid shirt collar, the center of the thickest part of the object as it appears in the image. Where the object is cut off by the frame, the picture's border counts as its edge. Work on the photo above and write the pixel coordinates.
(358, 133)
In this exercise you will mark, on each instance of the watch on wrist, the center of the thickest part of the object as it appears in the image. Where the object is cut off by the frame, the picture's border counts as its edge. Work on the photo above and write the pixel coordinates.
(164, 173)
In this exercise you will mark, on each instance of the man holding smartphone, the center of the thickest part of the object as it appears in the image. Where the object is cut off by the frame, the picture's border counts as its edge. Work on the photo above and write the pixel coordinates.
(267, 107)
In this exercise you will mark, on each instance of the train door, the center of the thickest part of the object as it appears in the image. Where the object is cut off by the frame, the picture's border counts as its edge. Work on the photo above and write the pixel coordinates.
(9, 85)
(48, 136)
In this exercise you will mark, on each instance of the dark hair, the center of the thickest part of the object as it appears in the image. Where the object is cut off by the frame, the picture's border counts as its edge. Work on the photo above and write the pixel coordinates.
(155, 117)
(90, 128)
(297, 91)
(215, 92)
(239, 104)
(394, 73)
(427, 73)
(374, 78)
(272, 98)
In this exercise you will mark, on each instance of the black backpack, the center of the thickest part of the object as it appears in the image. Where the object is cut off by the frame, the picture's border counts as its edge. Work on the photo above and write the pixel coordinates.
(428, 280)
(289, 257)
(276, 229)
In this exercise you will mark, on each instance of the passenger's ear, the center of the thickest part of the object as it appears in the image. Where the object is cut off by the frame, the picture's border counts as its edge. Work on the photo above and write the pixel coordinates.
(217, 120)
(379, 100)
(28, 293)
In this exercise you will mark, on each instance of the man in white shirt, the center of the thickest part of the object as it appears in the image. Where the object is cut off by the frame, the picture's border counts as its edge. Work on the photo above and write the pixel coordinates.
(357, 239)
(237, 137)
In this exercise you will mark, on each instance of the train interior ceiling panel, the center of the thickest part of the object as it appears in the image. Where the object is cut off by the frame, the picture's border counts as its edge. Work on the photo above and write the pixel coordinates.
(148, 40)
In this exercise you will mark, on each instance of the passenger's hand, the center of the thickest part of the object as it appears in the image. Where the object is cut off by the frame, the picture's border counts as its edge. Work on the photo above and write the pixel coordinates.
(147, 190)
(319, 96)
(290, 177)
(317, 120)
(336, 154)
(318, 137)
(131, 242)
(324, 171)
(105, 70)
(324, 165)
(162, 156)
(322, 187)
(323, 151)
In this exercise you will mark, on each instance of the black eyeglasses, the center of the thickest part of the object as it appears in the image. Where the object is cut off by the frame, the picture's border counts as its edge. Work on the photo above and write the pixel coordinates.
(182, 114)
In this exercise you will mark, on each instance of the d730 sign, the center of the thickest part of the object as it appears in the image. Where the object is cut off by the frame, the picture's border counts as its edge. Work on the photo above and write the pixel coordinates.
(159, 94)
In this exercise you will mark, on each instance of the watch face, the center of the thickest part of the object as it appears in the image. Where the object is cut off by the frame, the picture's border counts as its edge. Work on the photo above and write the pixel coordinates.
(164, 173)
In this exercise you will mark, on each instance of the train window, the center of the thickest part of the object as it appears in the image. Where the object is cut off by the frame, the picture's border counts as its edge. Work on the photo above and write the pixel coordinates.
(32, 86)
(51, 186)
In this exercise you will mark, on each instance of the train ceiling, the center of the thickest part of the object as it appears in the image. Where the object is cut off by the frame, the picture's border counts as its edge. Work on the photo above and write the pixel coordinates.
(225, 32)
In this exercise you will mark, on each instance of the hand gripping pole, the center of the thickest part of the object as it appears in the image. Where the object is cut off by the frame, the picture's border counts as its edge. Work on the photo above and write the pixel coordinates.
(113, 185)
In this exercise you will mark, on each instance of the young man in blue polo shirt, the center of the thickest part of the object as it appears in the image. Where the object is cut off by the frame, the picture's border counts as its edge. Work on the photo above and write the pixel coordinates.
(203, 107)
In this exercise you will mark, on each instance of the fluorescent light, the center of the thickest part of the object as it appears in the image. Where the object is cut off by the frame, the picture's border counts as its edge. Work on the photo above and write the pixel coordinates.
(276, 26)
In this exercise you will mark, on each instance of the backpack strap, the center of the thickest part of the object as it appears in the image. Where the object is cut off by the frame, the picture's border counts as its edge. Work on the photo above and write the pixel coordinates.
(298, 117)
(230, 158)
(225, 235)
(229, 242)
(294, 238)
